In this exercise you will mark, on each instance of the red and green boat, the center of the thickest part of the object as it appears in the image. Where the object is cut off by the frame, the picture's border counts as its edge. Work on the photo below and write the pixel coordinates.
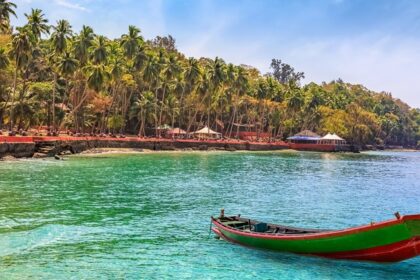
(389, 241)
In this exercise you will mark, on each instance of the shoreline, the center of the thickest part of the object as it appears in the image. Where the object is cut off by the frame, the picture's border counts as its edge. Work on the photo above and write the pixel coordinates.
(134, 151)
(43, 147)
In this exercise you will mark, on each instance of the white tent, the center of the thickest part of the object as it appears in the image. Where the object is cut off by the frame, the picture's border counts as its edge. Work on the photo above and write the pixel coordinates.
(330, 136)
(207, 133)
(331, 139)
(176, 133)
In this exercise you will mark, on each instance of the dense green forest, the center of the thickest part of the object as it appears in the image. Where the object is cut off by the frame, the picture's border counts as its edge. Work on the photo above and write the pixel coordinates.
(52, 75)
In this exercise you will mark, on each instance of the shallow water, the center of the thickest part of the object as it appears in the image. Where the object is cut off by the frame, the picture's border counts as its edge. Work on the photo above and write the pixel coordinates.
(146, 216)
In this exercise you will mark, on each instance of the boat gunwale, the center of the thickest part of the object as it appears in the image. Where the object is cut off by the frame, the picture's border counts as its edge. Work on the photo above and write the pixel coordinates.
(318, 235)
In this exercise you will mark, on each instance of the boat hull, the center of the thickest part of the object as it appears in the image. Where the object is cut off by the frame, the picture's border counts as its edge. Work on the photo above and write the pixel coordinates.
(389, 241)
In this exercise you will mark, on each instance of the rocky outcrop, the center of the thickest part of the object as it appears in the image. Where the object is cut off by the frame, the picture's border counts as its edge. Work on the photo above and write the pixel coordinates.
(17, 150)
(41, 149)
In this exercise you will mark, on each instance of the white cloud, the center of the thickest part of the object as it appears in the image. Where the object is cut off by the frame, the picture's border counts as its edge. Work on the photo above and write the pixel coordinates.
(70, 5)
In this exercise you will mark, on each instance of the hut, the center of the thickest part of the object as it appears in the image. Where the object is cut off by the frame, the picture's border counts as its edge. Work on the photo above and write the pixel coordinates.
(162, 130)
(305, 137)
(176, 133)
(206, 133)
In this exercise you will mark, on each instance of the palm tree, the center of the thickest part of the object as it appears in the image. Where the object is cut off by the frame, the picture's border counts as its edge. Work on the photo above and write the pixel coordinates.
(140, 58)
(59, 41)
(216, 76)
(6, 9)
(99, 52)
(131, 42)
(4, 63)
(67, 65)
(192, 74)
(4, 59)
(151, 74)
(240, 86)
(82, 43)
(170, 70)
(143, 110)
(21, 51)
(37, 23)
(172, 105)
(61, 36)
(97, 76)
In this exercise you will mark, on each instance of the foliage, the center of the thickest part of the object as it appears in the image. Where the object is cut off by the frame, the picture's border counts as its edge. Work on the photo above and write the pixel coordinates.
(88, 83)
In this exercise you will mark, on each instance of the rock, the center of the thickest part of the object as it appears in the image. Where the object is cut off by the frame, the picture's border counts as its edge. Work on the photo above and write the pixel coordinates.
(203, 147)
(65, 153)
(8, 158)
(57, 157)
(39, 155)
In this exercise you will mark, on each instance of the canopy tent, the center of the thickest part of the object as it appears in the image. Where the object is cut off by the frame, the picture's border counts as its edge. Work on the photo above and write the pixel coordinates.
(305, 136)
(207, 133)
(332, 139)
(330, 136)
(176, 133)
(176, 130)
(307, 133)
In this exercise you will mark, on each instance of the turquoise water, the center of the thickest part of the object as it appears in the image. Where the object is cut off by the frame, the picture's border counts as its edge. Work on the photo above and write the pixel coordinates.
(147, 216)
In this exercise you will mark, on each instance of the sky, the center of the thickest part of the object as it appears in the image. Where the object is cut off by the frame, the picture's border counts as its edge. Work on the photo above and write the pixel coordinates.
(375, 43)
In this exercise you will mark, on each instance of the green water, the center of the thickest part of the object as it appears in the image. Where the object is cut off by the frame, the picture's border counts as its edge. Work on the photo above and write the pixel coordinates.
(147, 216)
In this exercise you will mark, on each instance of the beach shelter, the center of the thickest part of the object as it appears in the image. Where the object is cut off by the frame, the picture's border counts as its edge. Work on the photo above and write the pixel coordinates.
(307, 133)
(332, 139)
(305, 137)
(207, 133)
(176, 133)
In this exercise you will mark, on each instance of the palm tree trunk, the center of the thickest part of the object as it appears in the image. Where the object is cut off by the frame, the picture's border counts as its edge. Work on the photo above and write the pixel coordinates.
(53, 100)
(21, 97)
(13, 95)
(161, 107)
(181, 102)
(156, 109)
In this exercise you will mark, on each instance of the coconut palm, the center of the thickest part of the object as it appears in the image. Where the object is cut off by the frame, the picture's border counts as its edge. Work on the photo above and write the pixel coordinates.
(170, 70)
(97, 76)
(21, 51)
(61, 36)
(4, 59)
(99, 51)
(81, 44)
(143, 110)
(151, 75)
(59, 42)
(131, 42)
(67, 65)
(37, 23)
(6, 9)
(217, 76)
(140, 58)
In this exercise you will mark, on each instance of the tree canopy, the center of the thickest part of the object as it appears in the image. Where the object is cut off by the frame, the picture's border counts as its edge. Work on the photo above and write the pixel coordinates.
(65, 79)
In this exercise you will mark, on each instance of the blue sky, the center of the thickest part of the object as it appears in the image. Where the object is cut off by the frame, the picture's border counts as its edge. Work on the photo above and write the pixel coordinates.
(375, 43)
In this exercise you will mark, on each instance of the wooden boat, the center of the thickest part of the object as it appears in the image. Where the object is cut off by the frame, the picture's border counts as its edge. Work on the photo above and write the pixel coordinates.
(389, 241)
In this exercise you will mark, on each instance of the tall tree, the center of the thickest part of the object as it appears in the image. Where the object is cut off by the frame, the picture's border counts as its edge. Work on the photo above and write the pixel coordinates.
(131, 42)
(82, 43)
(6, 9)
(37, 23)
(284, 73)
(217, 76)
(21, 52)
(59, 41)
